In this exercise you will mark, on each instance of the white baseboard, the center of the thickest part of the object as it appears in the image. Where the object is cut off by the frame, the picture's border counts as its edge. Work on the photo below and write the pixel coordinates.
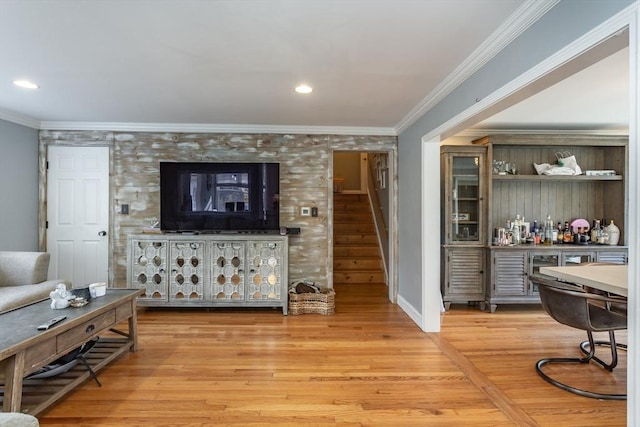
(411, 311)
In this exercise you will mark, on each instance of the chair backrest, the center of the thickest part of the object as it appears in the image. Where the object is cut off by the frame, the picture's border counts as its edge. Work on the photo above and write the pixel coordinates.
(571, 305)
(566, 303)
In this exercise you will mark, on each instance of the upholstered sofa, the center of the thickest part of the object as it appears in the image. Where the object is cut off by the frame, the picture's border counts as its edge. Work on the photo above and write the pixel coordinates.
(23, 278)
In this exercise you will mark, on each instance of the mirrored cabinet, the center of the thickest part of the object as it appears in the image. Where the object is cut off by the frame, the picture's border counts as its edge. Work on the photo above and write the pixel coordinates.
(209, 270)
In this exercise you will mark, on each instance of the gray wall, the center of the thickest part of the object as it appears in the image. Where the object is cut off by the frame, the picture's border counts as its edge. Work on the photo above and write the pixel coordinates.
(18, 187)
(567, 21)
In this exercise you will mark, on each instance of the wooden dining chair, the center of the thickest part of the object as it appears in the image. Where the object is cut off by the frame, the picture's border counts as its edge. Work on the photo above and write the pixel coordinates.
(571, 305)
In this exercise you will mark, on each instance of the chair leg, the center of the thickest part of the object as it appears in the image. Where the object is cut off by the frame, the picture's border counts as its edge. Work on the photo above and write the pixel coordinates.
(91, 371)
(588, 347)
(589, 356)
(574, 390)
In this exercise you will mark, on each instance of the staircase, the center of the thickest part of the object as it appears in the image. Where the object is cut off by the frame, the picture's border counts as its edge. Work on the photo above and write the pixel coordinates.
(356, 256)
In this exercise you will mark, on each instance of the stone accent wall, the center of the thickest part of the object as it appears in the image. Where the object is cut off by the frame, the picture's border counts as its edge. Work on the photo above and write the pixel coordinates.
(306, 179)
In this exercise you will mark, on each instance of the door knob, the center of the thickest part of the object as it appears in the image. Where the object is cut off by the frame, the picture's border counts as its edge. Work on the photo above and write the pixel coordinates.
(102, 233)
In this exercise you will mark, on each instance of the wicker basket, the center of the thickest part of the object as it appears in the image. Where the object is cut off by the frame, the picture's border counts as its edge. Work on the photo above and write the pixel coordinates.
(312, 303)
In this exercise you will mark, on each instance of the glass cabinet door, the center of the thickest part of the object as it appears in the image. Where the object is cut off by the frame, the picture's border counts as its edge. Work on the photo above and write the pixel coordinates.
(537, 260)
(577, 258)
(465, 198)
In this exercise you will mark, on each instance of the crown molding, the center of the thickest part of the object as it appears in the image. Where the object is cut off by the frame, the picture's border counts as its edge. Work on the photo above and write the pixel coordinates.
(218, 128)
(488, 131)
(612, 27)
(19, 119)
(528, 13)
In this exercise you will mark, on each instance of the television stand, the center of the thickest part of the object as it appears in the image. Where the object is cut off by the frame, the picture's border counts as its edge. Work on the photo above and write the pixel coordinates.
(209, 270)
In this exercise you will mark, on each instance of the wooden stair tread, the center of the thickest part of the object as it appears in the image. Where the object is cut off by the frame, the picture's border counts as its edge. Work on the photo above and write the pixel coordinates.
(356, 252)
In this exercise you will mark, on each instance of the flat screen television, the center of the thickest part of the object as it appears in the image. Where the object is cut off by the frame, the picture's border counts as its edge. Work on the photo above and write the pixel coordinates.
(217, 197)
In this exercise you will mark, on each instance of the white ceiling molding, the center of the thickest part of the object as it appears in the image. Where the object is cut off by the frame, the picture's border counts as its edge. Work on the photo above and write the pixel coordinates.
(523, 18)
(483, 132)
(217, 128)
(19, 119)
(610, 28)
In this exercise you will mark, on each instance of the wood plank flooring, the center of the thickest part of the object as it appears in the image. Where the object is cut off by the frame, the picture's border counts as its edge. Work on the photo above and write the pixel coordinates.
(367, 365)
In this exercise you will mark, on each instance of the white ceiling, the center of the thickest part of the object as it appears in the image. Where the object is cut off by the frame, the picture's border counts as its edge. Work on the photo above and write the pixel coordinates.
(371, 62)
(596, 98)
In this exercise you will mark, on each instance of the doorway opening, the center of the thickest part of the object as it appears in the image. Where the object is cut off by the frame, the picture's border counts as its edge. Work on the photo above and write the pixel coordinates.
(363, 226)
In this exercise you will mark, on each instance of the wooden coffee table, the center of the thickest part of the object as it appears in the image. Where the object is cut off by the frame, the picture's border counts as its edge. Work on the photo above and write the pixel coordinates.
(24, 349)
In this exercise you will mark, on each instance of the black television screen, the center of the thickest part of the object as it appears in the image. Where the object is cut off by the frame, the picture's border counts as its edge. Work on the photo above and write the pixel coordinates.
(213, 197)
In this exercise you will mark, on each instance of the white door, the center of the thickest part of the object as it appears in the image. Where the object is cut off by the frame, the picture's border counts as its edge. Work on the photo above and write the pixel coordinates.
(78, 214)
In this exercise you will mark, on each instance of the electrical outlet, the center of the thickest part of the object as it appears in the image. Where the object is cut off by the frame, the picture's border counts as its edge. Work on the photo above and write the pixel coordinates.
(124, 209)
(305, 211)
(314, 211)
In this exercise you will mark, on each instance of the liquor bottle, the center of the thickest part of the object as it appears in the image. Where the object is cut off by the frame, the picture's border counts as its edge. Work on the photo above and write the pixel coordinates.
(605, 233)
(568, 238)
(548, 231)
(560, 233)
(596, 231)
(535, 232)
(517, 230)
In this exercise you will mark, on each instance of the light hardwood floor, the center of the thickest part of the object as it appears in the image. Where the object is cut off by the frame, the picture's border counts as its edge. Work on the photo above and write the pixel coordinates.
(367, 365)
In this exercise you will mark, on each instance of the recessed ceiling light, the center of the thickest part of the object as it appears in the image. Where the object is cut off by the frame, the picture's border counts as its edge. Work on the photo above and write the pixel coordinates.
(26, 84)
(304, 89)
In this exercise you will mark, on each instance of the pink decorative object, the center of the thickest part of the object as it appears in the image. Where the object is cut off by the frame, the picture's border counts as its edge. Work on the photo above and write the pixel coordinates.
(580, 223)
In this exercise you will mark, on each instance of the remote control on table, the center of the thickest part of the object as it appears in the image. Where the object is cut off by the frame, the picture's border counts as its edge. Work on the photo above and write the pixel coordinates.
(51, 322)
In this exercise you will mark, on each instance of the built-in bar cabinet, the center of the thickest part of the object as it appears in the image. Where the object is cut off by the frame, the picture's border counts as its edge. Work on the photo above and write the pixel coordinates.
(594, 194)
(492, 181)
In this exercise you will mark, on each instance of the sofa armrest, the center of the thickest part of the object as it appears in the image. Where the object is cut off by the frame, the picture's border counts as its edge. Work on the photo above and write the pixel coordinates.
(18, 268)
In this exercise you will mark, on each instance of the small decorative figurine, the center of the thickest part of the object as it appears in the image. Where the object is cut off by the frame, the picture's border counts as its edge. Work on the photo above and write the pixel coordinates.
(60, 297)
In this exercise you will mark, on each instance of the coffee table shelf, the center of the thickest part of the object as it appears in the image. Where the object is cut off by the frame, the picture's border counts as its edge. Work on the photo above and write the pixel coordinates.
(37, 395)
(24, 350)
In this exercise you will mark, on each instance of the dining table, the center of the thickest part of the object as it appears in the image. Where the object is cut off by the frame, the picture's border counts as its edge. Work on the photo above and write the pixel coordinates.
(611, 278)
